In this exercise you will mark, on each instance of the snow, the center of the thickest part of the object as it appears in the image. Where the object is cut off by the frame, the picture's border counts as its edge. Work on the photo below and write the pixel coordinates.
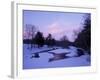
(43, 60)
(73, 51)
(58, 51)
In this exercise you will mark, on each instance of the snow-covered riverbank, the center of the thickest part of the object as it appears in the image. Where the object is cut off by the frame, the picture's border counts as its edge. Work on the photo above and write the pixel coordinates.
(43, 60)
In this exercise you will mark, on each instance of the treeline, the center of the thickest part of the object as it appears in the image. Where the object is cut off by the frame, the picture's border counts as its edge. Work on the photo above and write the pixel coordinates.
(84, 38)
(39, 41)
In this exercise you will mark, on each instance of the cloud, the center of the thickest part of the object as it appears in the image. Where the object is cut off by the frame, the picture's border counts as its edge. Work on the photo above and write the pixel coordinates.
(58, 30)
(55, 29)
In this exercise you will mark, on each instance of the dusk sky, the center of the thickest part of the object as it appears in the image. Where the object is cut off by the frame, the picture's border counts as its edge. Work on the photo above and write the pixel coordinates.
(56, 23)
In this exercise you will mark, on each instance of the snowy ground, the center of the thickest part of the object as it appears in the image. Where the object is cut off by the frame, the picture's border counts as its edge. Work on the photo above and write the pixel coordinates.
(43, 60)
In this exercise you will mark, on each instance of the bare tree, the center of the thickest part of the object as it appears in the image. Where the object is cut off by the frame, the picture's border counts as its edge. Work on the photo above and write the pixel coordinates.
(30, 31)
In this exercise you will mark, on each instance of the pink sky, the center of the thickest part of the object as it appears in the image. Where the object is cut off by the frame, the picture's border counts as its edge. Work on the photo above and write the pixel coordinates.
(57, 30)
(58, 24)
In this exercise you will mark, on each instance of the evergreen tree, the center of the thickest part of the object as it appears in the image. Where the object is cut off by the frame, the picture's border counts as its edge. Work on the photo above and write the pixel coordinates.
(39, 39)
(84, 38)
(50, 41)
